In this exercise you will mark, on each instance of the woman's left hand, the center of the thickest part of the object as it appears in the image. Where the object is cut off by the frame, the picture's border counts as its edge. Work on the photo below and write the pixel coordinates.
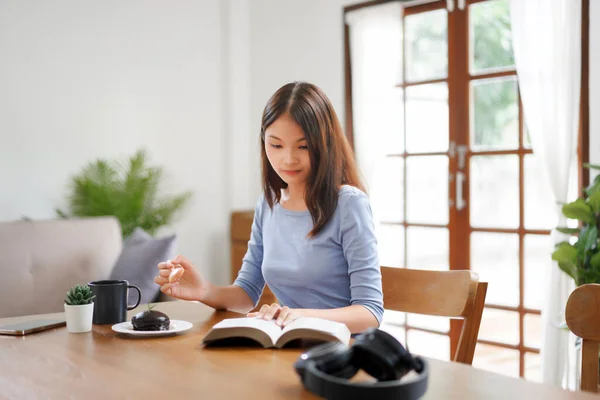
(283, 315)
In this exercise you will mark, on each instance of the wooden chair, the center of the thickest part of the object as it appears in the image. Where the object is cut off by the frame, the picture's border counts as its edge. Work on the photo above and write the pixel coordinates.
(240, 228)
(455, 294)
(583, 319)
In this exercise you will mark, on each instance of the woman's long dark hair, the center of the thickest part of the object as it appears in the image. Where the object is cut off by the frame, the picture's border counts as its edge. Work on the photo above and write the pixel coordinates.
(331, 158)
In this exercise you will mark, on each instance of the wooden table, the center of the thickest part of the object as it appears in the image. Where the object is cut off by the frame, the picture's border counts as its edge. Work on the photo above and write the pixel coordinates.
(103, 364)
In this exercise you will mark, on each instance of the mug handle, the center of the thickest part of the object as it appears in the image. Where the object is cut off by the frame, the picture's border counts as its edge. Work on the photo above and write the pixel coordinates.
(138, 299)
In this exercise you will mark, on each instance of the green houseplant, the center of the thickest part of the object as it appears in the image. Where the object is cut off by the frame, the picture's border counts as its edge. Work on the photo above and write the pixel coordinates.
(79, 308)
(581, 259)
(129, 192)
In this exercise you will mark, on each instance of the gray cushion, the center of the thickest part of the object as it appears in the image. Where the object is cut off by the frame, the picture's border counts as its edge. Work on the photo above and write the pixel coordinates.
(138, 260)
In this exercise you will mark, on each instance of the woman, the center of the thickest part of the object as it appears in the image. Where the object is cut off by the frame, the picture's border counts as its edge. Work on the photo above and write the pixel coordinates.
(312, 237)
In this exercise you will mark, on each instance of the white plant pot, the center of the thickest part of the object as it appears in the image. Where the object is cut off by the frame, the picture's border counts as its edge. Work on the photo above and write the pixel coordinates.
(79, 318)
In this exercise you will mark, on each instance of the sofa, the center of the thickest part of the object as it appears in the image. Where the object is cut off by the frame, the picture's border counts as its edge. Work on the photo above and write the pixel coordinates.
(41, 260)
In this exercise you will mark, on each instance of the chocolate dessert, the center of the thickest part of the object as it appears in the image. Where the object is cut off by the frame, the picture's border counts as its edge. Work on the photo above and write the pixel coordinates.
(150, 320)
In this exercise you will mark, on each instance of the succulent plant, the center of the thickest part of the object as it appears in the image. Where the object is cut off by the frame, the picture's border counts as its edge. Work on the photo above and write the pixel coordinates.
(79, 295)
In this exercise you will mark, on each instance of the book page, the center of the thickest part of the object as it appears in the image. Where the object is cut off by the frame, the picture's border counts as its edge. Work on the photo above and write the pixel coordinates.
(333, 328)
(269, 327)
(315, 324)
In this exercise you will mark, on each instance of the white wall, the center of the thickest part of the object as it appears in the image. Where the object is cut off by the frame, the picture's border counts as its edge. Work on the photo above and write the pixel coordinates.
(87, 80)
(81, 80)
(237, 104)
(595, 82)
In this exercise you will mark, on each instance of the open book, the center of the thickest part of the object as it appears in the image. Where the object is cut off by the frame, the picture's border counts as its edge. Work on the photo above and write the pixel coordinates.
(268, 334)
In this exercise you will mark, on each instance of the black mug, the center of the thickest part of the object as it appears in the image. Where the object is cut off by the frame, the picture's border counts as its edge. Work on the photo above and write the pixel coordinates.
(110, 304)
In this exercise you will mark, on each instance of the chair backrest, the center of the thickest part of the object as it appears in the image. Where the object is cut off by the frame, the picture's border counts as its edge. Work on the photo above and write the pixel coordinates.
(455, 294)
(583, 319)
(240, 229)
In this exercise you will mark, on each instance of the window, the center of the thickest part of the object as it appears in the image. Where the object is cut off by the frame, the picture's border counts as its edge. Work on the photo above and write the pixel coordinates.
(461, 189)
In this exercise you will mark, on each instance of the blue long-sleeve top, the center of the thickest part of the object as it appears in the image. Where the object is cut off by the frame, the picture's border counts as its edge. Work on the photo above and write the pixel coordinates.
(336, 268)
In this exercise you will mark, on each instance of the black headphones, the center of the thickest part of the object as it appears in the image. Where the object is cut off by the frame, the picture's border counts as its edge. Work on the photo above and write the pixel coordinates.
(325, 369)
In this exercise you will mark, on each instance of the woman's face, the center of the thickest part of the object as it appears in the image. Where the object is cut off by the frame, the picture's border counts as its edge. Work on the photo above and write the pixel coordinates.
(287, 150)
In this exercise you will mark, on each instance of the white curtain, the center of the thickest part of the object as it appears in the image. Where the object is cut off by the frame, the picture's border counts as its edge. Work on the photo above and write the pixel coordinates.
(547, 45)
(376, 60)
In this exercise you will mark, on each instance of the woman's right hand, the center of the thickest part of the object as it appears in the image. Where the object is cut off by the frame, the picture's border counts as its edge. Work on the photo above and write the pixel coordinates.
(190, 286)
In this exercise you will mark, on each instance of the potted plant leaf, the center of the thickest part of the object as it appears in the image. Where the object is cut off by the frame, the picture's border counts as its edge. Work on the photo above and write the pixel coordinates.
(79, 309)
(581, 259)
(129, 191)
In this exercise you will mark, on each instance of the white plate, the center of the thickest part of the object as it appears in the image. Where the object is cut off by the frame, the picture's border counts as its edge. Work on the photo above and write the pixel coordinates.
(174, 327)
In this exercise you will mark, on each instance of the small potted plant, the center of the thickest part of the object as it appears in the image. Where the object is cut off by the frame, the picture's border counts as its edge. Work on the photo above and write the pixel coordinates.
(79, 309)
